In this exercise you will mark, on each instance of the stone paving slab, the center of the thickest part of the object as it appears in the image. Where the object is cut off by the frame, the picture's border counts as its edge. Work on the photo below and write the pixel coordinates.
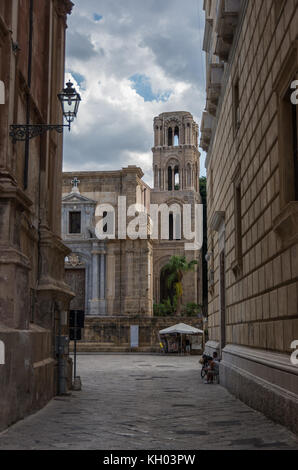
(131, 402)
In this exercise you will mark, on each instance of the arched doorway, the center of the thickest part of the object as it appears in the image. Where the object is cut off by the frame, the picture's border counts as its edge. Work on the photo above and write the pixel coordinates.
(166, 292)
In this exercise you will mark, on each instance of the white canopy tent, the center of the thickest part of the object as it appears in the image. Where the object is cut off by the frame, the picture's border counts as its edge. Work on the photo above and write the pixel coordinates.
(181, 328)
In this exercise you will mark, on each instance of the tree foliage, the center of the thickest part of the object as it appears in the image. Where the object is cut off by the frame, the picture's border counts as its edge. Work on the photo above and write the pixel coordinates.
(177, 267)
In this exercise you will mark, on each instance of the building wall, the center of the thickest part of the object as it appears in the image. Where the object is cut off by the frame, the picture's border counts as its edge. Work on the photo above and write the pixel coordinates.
(113, 334)
(252, 208)
(33, 295)
(124, 285)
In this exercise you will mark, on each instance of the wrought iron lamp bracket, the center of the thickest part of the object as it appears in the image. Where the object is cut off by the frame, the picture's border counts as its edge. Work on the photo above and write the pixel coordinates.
(22, 132)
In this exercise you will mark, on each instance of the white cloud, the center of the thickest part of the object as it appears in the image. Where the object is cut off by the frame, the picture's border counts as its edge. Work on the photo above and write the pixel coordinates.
(160, 40)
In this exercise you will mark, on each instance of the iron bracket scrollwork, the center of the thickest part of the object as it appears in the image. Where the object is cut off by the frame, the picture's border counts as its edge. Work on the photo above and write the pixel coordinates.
(23, 132)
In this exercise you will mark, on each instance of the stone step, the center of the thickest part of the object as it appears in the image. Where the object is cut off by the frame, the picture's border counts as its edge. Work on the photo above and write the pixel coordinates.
(95, 347)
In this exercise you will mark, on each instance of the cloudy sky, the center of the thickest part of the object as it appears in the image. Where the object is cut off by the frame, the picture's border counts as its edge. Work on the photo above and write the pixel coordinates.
(131, 60)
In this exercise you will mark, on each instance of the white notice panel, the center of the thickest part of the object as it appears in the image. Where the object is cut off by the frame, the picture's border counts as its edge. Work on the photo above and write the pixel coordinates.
(134, 336)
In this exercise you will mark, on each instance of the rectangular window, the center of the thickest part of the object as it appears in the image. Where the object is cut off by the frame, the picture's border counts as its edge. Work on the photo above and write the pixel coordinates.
(108, 224)
(236, 105)
(285, 223)
(237, 265)
(238, 228)
(75, 222)
(295, 147)
(289, 144)
(287, 129)
(278, 7)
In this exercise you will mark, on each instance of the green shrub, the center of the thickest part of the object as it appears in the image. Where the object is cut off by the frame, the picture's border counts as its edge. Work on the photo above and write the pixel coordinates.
(192, 310)
(166, 308)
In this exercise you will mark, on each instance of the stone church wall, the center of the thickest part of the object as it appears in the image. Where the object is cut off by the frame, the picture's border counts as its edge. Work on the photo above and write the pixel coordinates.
(113, 334)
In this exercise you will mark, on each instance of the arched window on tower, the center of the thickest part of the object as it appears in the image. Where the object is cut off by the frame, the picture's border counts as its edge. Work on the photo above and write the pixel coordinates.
(171, 227)
(170, 182)
(188, 171)
(177, 178)
(188, 136)
(155, 176)
(174, 226)
(156, 136)
(170, 137)
(176, 136)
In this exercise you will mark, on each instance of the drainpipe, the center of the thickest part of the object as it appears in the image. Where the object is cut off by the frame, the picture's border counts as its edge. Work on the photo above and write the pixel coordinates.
(26, 165)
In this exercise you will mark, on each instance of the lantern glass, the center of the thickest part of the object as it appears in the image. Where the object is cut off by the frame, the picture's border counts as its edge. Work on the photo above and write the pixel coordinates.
(70, 101)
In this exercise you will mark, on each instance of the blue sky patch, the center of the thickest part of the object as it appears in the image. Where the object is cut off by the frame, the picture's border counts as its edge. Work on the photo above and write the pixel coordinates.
(141, 84)
(80, 79)
(97, 17)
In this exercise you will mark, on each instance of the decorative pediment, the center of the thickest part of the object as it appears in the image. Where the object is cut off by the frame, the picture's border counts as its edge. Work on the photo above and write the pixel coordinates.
(77, 198)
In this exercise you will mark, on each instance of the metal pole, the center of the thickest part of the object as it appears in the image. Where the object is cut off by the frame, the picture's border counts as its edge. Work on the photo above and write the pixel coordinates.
(59, 351)
(28, 97)
(75, 346)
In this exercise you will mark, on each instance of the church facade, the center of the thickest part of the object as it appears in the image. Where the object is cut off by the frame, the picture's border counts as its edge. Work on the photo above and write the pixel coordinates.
(119, 276)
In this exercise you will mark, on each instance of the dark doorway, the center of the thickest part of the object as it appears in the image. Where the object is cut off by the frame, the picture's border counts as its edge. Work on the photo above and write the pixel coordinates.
(166, 292)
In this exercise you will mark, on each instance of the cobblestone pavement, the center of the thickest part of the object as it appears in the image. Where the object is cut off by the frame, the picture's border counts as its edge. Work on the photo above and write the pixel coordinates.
(131, 402)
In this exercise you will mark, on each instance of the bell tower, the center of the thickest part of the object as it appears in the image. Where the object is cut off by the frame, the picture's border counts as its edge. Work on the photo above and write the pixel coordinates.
(176, 169)
(175, 153)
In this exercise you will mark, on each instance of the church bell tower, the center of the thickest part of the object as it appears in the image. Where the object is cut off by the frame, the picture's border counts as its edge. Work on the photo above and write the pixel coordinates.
(175, 153)
(176, 169)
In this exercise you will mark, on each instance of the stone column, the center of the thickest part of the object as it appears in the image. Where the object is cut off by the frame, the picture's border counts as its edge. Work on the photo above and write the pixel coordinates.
(102, 276)
(97, 305)
(130, 299)
(110, 285)
(95, 278)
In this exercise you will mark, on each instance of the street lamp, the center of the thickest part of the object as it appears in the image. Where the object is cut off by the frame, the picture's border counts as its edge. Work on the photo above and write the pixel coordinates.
(70, 101)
